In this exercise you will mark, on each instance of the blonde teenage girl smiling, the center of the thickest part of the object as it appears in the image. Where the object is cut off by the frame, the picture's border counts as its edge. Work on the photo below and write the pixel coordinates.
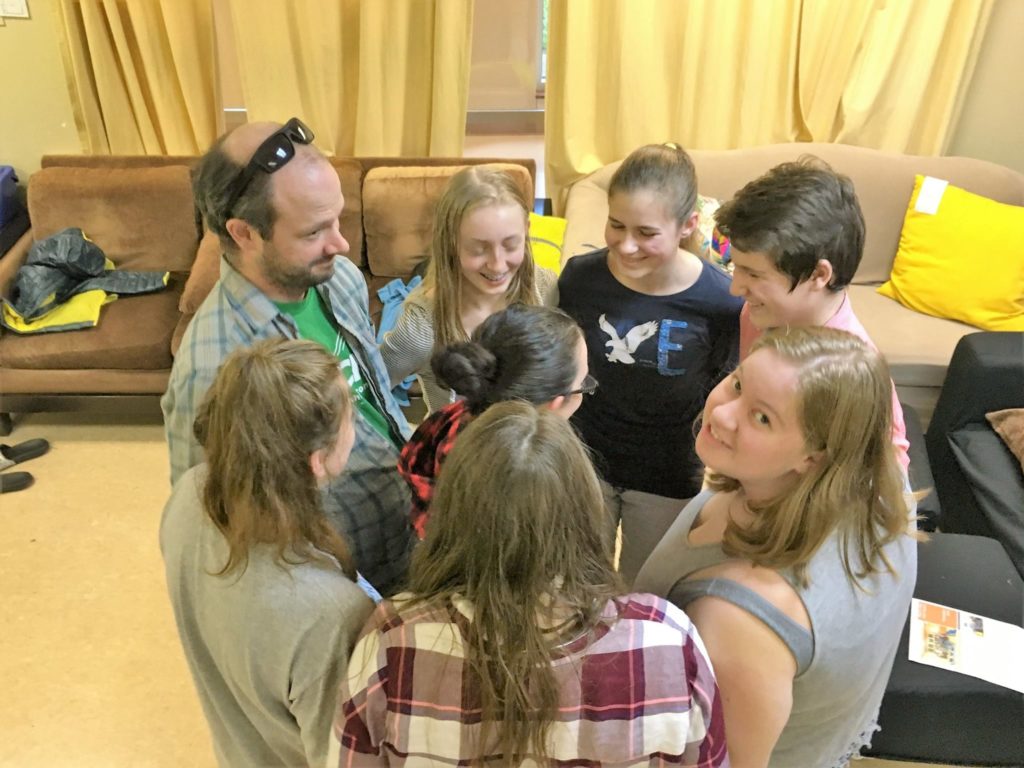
(480, 262)
(799, 564)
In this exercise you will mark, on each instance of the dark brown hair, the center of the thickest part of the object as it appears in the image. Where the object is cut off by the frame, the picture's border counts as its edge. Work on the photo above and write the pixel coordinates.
(665, 169)
(798, 214)
(520, 353)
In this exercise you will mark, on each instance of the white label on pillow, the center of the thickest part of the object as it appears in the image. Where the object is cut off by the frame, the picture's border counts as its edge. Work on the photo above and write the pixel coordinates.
(930, 196)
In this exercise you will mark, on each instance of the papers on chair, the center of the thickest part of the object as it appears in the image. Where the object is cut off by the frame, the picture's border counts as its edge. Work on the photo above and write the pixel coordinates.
(963, 642)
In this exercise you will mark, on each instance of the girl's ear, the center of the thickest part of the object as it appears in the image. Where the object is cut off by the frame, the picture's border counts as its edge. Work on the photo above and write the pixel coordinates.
(555, 404)
(316, 463)
(810, 461)
(690, 225)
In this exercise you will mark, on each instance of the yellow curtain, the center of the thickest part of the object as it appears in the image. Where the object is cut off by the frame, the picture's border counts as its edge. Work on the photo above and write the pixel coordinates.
(718, 74)
(388, 77)
(909, 68)
(140, 74)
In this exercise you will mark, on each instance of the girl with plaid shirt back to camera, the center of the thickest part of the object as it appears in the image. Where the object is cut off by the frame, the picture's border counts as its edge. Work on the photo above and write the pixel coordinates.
(517, 642)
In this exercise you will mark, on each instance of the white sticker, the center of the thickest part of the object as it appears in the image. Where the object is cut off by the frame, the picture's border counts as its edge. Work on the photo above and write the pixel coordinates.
(930, 196)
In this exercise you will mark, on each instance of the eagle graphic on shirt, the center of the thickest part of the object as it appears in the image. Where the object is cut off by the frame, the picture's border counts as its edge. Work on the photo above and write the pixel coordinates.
(621, 348)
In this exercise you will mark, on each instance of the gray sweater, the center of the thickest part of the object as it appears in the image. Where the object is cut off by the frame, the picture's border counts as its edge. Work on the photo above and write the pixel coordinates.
(407, 347)
(267, 649)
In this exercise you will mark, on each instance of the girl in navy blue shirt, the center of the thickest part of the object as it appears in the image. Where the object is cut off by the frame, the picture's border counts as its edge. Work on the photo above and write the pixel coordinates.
(661, 329)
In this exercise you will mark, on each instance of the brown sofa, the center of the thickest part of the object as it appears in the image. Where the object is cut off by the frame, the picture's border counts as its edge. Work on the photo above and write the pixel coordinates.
(139, 210)
(918, 347)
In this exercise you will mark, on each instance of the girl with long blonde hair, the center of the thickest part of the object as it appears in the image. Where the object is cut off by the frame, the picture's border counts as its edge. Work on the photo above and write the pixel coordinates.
(799, 563)
(480, 262)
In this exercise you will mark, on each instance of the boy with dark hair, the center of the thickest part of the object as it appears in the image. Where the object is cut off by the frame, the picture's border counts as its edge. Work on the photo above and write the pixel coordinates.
(796, 239)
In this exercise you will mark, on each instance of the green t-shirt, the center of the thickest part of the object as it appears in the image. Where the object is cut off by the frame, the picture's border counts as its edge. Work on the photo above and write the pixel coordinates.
(316, 324)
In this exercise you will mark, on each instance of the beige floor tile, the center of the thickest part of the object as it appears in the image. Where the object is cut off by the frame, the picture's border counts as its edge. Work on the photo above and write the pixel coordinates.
(90, 657)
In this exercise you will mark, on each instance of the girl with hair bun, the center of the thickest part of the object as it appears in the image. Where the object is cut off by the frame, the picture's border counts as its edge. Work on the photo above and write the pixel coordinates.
(530, 353)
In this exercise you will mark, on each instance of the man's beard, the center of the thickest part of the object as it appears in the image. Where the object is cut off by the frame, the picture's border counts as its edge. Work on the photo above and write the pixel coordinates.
(289, 277)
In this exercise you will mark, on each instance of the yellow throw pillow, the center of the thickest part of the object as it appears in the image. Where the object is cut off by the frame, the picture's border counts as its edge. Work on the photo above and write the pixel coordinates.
(547, 233)
(961, 257)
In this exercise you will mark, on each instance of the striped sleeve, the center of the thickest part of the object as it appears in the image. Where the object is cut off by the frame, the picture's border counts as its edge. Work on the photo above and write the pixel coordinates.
(406, 348)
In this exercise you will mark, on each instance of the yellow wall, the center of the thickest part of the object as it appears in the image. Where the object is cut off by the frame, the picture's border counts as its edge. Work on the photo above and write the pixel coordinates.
(36, 116)
(992, 120)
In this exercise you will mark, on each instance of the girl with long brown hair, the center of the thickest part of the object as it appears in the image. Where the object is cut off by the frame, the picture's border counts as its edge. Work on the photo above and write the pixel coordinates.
(798, 565)
(264, 590)
(517, 642)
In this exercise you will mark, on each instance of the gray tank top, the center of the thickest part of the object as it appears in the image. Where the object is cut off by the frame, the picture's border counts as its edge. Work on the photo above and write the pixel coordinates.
(843, 664)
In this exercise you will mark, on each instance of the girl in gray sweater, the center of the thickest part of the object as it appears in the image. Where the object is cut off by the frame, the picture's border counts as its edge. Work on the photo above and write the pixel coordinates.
(264, 590)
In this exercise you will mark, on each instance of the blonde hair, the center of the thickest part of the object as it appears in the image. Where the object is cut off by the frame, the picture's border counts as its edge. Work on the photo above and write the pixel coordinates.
(855, 486)
(471, 188)
(270, 407)
(518, 528)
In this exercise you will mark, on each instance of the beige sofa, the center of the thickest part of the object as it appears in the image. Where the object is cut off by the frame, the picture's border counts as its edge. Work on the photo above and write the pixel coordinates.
(139, 210)
(918, 347)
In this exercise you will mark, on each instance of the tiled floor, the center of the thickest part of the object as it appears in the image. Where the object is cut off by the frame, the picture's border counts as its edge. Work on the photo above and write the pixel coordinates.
(93, 674)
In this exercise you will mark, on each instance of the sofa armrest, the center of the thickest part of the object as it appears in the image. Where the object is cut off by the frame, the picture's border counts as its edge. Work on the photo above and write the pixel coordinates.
(986, 374)
(11, 262)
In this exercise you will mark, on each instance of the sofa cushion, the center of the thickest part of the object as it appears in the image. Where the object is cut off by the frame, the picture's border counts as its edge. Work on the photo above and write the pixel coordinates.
(961, 256)
(205, 272)
(398, 212)
(134, 333)
(922, 703)
(997, 484)
(546, 236)
(142, 218)
(350, 172)
(917, 347)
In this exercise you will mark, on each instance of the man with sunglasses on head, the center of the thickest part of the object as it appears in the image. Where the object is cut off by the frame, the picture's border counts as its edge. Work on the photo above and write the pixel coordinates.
(274, 201)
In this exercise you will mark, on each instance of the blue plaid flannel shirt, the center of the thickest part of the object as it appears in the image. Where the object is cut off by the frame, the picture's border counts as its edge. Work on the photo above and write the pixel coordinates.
(370, 502)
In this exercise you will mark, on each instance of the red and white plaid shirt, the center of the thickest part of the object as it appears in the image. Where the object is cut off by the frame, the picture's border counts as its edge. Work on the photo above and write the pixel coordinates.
(638, 690)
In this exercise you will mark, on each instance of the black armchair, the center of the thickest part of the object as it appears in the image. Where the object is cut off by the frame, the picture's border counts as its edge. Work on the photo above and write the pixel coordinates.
(979, 481)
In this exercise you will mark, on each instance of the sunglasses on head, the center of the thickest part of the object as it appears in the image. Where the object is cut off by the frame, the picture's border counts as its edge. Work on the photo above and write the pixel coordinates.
(270, 156)
(588, 387)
